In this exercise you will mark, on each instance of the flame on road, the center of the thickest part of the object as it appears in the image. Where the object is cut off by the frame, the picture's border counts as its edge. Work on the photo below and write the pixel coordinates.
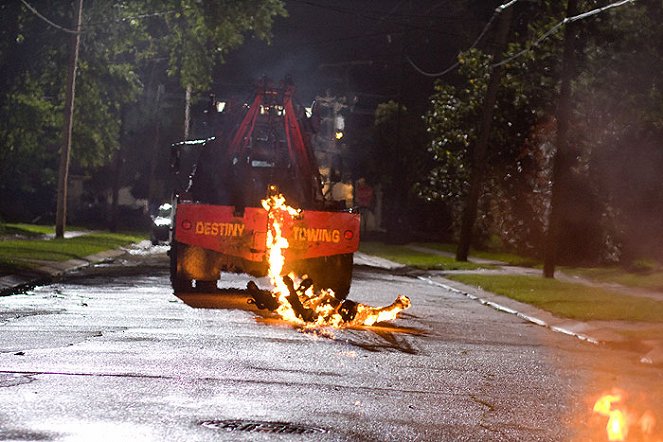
(297, 300)
(277, 210)
(621, 419)
(616, 428)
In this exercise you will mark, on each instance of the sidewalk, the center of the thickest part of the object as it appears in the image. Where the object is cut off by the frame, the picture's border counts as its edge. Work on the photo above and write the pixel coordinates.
(30, 255)
(45, 271)
(50, 270)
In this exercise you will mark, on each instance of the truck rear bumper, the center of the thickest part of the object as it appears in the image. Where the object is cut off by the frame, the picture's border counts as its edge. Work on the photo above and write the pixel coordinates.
(220, 229)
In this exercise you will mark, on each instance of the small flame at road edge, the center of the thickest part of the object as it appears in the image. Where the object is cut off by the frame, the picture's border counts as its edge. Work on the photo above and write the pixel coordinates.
(621, 418)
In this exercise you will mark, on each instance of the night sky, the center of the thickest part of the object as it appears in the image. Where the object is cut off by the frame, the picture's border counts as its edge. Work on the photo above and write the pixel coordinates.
(358, 48)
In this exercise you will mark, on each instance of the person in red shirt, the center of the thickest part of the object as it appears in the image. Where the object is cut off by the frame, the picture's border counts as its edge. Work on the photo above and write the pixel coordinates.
(365, 200)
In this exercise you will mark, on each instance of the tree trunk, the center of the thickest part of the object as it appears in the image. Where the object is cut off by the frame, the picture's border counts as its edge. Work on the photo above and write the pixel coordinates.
(563, 160)
(65, 152)
(118, 165)
(480, 150)
(117, 171)
(153, 189)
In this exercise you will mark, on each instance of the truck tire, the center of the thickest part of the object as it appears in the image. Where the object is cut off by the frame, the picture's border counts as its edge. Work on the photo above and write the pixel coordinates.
(182, 279)
(177, 281)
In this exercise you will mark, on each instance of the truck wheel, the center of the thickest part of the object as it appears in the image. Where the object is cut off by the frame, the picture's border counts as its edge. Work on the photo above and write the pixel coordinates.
(179, 283)
(333, 272)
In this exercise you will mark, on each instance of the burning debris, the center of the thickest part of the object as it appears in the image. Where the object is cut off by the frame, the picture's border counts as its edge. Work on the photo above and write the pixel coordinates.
(622, 419)
(296, 300)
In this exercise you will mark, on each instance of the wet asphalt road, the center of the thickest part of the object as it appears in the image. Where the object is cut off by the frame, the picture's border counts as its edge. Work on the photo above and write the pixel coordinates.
(111, 354)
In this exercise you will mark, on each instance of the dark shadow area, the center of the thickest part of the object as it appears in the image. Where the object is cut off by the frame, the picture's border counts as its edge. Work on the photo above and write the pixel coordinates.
(11, 434)
(228, 299)
(384, 337)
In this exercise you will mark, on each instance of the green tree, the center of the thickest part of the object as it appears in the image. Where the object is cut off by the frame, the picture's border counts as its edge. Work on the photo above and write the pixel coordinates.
(620, 121)
(397, 160)
(615, 131)
(127, 50)
(508, 206)
(30, 112)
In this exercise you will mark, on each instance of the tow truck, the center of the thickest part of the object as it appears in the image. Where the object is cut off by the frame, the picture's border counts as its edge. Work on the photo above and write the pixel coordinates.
(219, 224)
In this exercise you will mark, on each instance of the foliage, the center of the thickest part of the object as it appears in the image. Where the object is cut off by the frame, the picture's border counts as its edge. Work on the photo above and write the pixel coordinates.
(516, 155)
(398, 145)
(30, 111)
(126, 49)
(196, 35)
(451, 124)
(610, 209)
(397, 160)
(620, 96)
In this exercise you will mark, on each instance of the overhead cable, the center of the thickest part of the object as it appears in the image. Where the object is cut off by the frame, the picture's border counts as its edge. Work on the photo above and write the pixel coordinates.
(71, 31)
(497, 12)
(55, 25)
(555, 28)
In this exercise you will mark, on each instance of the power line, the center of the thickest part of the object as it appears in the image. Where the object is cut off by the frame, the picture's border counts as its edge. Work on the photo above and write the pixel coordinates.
(545, 35)
(55, 25)
(71, 31)
(555, 28)
(497, 12)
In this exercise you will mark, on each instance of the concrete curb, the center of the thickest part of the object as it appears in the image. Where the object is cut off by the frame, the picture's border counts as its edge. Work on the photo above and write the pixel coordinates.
(52, 270)
(511, 311)
(586, 332)
(526, 312)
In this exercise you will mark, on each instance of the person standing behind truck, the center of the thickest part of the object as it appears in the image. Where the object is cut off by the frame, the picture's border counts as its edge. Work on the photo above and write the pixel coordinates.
(365, 200)
(341, 193)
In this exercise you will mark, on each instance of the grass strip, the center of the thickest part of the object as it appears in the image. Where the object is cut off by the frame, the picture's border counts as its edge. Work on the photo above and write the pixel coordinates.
(414, 258)
(27, 230)
(568, 300)
(509, 258)
(26, 253)
(652, 280)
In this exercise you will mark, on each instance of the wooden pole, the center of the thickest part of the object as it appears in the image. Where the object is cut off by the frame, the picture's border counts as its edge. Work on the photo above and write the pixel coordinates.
(562, 160)
(65, 152)
(187, 111)
(480, 151)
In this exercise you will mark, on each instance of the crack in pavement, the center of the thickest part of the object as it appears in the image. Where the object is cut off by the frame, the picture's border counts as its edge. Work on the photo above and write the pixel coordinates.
(14, 379)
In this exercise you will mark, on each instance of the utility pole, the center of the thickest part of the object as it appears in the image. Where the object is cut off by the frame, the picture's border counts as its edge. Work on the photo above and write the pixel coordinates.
(396, 224)
(65, 152)
(187, 111)
(563, 157)
(480, 150)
